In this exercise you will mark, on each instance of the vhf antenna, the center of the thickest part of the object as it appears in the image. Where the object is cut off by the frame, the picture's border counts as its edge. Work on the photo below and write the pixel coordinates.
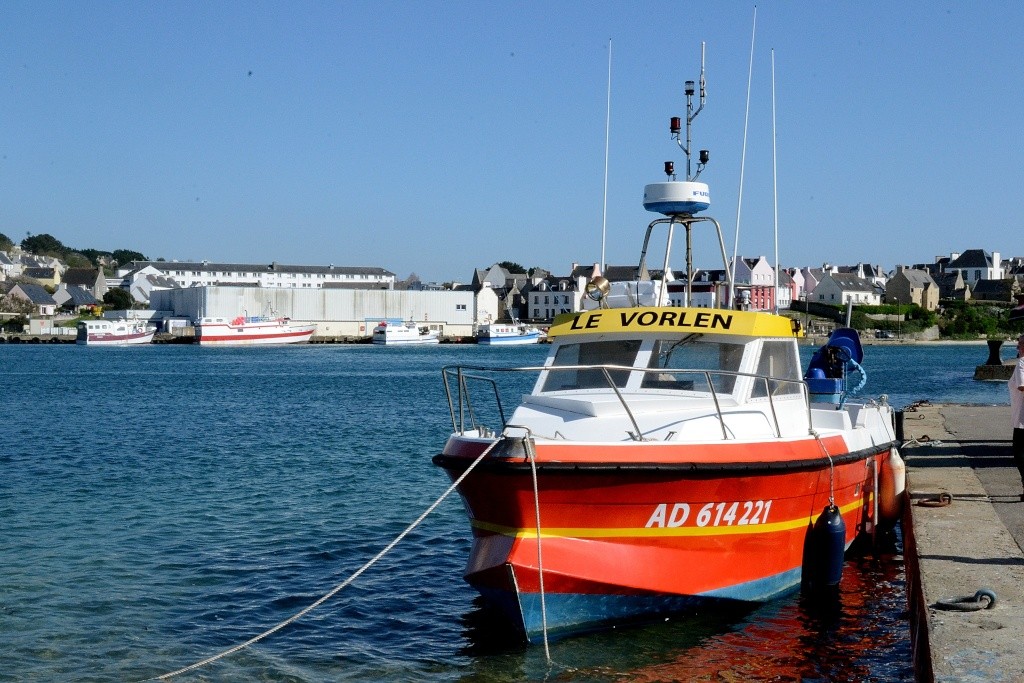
(675, 125)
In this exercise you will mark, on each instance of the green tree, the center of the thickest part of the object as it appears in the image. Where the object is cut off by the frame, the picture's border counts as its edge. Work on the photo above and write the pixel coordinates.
(5, 243)
(513, 267)
(118, 299)
(44, 245)
(94, 255)
(125, 256)
(73, 259)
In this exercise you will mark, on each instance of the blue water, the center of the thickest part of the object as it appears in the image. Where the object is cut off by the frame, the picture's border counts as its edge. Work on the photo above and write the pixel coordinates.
(161, 504)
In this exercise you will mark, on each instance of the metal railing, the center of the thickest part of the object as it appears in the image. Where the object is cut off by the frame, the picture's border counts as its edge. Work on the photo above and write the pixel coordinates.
(462, 411)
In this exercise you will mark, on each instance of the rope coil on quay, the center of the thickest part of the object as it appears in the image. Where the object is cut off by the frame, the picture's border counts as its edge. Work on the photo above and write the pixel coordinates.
(985, 598)
(327, 596)
(939, 501)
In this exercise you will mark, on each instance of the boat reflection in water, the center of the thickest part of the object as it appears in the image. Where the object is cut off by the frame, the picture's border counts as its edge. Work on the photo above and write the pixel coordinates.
(859, 632)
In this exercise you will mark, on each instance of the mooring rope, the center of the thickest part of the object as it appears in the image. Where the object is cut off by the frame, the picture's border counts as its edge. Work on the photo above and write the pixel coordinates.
(940, 501)
(330, 594)
(532, 455)
(985, 598)
(831, 469)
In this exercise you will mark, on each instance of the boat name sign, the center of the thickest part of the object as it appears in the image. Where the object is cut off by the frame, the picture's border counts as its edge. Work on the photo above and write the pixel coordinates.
(671, 319)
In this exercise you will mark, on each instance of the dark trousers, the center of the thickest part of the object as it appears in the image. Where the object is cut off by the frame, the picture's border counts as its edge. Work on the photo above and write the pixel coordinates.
(1018, 451)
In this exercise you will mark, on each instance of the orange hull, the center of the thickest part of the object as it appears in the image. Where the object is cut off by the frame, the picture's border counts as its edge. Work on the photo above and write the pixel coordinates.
(624, 539)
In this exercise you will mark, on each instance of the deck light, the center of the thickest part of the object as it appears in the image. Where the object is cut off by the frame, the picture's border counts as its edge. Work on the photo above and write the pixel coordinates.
(597, 288)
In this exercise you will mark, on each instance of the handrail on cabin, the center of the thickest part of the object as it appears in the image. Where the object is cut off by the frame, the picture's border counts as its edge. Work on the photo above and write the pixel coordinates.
(465, 404)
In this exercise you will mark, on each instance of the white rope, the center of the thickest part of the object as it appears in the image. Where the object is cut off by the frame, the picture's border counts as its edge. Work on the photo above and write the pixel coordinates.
(831, 470)
(528, 445)
(298, 615)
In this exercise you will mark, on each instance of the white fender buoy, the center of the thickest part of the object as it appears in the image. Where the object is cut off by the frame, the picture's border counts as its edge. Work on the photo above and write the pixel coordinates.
(892, 483)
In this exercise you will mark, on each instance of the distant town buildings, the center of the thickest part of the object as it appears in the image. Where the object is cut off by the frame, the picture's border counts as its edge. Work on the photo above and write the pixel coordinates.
(496, 294)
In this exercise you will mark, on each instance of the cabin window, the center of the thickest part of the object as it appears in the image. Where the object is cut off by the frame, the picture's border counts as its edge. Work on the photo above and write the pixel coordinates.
(778, 359)
(616, 352)
(690, 357)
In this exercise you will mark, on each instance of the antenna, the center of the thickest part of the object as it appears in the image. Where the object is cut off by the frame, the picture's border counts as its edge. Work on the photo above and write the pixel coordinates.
(743, 155)
(675, 124)
(607, 131)
(775, 191)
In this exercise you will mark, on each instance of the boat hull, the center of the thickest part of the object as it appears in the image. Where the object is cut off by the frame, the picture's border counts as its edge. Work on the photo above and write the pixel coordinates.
(117, 339)
(628, 541)
(225, 335)
(515, 340)
(406, 342)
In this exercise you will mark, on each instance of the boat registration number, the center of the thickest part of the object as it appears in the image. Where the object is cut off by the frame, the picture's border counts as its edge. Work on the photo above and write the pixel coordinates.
(739, 513)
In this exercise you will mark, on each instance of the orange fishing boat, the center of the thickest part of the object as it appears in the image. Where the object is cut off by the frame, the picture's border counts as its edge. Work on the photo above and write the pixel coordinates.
(666, 457)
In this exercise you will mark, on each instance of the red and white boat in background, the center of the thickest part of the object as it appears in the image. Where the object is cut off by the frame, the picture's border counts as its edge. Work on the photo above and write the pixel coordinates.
(114, 332)
(667, 458)
(251, 331)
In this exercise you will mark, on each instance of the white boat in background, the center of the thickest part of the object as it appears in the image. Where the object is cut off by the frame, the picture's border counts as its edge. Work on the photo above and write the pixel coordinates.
(251, 331)
(508, 334)
(114, 332)
(402, 334)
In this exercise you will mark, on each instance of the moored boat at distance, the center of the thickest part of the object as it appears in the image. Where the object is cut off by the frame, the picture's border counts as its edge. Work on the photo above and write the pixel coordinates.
(508, 334)
(667, 458)
(245, 330)
(114, 332)
(403, 334)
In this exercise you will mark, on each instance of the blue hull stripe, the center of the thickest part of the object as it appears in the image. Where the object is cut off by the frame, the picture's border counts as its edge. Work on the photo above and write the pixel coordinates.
(569, 613)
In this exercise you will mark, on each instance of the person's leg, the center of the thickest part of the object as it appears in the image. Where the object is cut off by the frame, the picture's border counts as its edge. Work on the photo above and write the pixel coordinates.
(1018, 454)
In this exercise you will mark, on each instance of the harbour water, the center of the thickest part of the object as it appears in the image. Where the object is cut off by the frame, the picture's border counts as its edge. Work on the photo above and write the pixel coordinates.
(161, 504)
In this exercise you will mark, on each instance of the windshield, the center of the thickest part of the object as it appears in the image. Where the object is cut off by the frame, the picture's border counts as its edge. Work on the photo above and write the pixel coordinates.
(695, 352)
(615, 352)
(778, 359)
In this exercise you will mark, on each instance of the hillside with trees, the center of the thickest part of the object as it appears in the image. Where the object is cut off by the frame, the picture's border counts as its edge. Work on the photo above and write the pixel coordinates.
(48, 245)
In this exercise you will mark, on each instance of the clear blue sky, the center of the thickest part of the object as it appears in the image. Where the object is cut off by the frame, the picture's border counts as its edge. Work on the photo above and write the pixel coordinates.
(437, 137)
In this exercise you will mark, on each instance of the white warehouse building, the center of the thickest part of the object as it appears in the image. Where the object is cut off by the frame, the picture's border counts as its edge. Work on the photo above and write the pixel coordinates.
(198, 274)
(336, 312)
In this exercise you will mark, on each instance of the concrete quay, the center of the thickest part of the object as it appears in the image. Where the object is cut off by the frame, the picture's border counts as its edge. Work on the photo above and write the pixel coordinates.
(973, 543)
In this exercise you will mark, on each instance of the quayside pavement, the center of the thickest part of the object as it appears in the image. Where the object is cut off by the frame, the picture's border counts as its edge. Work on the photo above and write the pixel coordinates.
(972, 543)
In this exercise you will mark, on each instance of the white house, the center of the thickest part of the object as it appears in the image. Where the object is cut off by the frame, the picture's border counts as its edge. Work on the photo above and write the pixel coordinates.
(708, 288)
(842, 288)
(9, 267)
(757, 277)
(143, 282)
(487, 305)
(797, 276)
(812, 276)
(553, 296)
(37, 295)
(785, 290)
(976, 265)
